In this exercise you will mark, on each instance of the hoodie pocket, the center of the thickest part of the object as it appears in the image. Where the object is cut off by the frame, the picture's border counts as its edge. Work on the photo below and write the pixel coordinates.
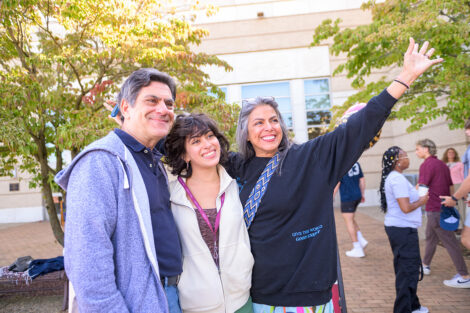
(236, 270)
(200, 287)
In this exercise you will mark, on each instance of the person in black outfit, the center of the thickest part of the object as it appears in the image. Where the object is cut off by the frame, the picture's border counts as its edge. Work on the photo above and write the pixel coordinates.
(292, 234)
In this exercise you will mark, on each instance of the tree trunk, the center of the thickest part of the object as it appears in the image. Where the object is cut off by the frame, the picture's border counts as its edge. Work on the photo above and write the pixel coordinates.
(47, 192)
(54, 221)
(74, 152)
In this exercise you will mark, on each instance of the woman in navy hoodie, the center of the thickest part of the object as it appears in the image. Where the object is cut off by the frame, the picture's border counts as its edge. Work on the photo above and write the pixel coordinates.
(286, 193)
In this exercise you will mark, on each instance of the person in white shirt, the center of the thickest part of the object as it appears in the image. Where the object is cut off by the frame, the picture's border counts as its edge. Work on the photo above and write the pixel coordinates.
(401, 203)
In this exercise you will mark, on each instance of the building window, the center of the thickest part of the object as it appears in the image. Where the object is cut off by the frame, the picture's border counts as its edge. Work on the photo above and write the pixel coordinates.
(317, 106)
(224, 90)
(15, 187)
(280, 92)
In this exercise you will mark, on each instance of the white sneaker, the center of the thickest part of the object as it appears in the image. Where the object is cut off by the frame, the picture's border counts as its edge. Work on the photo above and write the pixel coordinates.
(363, 242)
(361, 239)
(422, 309)
(356, 253)
(426, 270)
(458, 282)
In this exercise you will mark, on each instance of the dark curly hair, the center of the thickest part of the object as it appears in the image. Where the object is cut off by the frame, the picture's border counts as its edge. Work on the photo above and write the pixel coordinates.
(190, 125)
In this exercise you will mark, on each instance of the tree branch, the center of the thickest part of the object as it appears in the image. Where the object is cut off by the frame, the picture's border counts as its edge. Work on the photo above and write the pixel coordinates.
(60, 161)
(21, 53)
(72, 66)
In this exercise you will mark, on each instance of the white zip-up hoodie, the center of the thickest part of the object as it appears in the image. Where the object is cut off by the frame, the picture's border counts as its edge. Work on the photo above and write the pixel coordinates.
(202, 287)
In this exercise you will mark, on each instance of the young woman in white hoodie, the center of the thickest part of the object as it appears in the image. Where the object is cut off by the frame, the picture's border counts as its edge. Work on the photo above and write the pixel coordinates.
(217, 260)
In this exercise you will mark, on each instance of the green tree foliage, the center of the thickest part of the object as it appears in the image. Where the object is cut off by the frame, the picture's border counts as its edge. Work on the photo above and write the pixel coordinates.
(381, 44)
(61, 60)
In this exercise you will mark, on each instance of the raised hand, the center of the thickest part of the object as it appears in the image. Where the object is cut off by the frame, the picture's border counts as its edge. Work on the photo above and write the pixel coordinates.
(417, 61)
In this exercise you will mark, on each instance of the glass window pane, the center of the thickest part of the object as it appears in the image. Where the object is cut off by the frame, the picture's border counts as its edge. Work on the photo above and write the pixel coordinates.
(317, 102)
(314, 132)
(266, 90)
(318, 118)
(224, 89)
(284, 104)
(316, 86)
(287, 117)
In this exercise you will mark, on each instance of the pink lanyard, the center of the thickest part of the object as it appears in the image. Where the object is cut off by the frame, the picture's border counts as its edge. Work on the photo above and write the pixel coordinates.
(201, 211)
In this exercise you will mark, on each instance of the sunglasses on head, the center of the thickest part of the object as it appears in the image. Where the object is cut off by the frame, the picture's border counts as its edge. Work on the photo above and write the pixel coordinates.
(256, 100)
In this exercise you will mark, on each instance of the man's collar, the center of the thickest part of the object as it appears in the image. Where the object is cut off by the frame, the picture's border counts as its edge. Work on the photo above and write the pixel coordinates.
(129, 141)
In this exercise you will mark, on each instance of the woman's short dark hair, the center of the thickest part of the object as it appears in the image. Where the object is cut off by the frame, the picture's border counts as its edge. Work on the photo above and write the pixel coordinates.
(190, 125)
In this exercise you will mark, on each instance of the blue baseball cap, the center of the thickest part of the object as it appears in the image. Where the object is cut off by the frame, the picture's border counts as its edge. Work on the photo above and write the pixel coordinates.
(449, 219)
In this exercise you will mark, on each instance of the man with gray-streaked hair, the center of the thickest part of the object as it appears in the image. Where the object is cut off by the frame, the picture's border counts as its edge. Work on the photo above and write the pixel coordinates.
(435, 174)
(122, 251)
(429, 144)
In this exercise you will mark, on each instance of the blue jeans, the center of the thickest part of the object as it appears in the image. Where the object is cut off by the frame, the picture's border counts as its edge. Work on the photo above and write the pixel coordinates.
(173, 299)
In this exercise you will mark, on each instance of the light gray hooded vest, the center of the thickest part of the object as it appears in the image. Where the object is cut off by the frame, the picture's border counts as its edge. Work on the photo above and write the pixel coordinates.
(109, 250)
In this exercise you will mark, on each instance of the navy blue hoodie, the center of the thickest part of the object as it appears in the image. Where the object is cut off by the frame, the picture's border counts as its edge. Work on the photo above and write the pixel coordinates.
(293, 237)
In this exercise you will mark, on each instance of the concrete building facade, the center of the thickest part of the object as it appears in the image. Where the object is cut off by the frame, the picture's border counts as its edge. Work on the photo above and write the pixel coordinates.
(268, 45)
(267, 42)
(18, 202)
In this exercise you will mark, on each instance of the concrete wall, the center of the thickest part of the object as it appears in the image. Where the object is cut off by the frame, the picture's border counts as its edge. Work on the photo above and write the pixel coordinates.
(276, 47)
(24, 205)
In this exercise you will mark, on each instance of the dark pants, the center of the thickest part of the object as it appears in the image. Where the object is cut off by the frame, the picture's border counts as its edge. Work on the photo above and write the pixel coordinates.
(407, 264)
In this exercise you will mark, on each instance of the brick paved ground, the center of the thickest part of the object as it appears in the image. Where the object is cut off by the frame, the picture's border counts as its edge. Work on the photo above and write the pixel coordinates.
(34, 239)
(369, 282)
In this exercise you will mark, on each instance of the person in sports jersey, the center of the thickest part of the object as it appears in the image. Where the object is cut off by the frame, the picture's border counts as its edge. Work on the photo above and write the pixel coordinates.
(286, 192)
(352, 187)
(217, 261)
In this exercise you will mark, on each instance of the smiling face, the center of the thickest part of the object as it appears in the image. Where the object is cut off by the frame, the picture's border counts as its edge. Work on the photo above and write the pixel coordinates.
(152, 115)
(264, 131)
(202, 151)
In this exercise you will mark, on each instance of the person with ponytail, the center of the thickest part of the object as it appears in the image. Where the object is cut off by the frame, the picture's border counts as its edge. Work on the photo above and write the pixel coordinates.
(401, 203)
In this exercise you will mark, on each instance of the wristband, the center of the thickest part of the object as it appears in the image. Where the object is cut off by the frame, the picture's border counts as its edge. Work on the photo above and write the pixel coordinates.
(455, 199)
(400, 82)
